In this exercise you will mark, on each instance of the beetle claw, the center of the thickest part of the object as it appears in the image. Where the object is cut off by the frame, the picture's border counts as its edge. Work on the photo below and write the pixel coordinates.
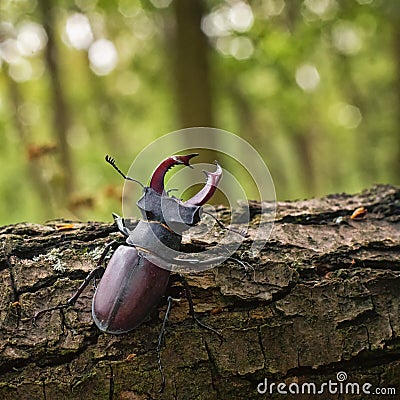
(157, 178)
(209, 188)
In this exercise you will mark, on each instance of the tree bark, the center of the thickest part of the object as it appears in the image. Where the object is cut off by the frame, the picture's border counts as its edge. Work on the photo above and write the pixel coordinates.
(323, 297)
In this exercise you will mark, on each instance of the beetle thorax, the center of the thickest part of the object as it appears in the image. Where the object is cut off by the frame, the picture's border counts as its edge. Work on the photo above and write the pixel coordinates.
(168, 211)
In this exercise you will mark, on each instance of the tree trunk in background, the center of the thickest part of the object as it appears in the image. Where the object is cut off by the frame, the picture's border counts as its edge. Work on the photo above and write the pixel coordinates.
(192, 77)
(396, 46)
(191, 65)
(304, 142)
(322, 297)
(59, 107)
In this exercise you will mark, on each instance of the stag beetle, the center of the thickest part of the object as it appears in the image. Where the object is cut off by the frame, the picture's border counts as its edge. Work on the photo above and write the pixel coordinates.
(132, 285)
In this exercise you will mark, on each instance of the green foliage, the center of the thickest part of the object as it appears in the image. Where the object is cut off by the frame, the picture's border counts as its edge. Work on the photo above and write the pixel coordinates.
(313, 85)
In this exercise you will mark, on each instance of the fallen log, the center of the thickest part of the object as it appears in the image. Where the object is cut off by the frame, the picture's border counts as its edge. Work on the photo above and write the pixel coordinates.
(318, 307)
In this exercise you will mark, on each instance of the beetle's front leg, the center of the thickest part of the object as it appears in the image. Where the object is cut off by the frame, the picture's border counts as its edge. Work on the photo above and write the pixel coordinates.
(121, 225)
(96, 273)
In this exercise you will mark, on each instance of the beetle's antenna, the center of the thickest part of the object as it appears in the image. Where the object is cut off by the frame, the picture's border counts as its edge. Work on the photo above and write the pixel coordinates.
(111, 161)
(222, 226)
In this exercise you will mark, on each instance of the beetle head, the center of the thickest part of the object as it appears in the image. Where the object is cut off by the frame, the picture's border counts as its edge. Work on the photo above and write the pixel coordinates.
(156, 205)
(168, 210)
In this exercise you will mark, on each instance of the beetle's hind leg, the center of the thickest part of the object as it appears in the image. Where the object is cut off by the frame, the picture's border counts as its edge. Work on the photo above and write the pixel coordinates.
(161, 336)
(160, 342)
(95, 274)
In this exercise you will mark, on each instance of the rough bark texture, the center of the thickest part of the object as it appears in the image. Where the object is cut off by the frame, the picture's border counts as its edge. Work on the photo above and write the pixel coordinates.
(323, 297)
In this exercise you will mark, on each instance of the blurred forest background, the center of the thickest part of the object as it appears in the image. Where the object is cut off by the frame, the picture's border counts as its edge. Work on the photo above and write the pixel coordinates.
(313, 85)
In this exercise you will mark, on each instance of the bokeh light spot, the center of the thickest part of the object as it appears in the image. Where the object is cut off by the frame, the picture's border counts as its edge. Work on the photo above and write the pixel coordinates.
(347, 115)
(273, 8)
(21, 71)
(307, 77)
(241, 48)
(346, 38)
(216, 23)
(79, 32)
(241, 16)
(10, 52)
(103, 56)
(31, 38)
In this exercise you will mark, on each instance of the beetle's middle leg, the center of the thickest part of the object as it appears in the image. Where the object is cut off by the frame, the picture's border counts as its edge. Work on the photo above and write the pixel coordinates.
(188, 294)
(96, 273)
